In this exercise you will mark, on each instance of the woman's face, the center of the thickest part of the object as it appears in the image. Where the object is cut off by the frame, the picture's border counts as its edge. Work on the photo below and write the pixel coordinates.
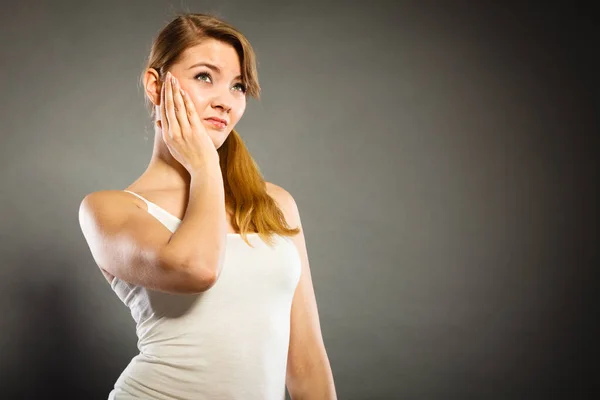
(210, 74)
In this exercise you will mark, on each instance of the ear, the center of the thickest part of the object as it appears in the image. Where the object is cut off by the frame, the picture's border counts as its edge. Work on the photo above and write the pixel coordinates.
(152, 86)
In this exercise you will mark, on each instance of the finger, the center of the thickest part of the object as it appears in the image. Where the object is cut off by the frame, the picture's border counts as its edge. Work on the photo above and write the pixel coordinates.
(170, 110)
(180, 111)
(191, 113)
(163, 115)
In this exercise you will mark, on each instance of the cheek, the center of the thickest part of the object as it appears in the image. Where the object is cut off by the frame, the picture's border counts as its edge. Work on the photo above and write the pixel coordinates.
(201, 100)
(239, 109)
(198, 97)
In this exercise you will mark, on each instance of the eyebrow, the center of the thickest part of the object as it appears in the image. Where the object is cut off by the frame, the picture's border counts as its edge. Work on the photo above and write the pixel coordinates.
(211, 66)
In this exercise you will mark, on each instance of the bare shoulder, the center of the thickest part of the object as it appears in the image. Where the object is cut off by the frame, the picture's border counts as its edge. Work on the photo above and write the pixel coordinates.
(101, 196)
(286, 202)
(105, 201)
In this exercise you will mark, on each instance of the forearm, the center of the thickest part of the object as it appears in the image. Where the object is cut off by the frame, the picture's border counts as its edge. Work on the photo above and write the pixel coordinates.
(316, 384)
(200, 239)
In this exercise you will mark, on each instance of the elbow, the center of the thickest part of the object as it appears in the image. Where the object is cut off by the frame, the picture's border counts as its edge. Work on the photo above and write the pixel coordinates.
(198, 279)
(190, 277)
(202, 280)
(204, 275)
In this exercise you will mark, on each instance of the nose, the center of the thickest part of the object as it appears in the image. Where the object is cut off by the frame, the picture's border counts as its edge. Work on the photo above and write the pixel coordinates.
(222, 100)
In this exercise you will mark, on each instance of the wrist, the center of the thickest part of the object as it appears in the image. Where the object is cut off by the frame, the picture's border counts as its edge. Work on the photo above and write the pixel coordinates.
(206, 165)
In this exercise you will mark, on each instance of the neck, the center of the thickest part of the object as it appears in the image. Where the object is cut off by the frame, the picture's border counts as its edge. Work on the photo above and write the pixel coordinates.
(164, 167)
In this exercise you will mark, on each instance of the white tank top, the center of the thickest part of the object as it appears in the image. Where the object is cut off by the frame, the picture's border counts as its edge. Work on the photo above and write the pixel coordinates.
(229, 342)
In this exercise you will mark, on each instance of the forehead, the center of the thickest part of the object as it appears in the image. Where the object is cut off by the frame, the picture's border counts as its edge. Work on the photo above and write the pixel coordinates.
(215, 52)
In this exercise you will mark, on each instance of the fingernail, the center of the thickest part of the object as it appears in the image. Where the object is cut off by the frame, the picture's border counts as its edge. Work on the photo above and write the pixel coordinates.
(174, 80)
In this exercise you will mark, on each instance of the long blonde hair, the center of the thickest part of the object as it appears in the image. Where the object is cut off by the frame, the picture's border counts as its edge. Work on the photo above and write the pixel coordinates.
(246, 198)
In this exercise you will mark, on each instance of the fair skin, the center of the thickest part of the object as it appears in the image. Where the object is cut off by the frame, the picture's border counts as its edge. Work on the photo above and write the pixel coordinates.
(165, 180)
(213, 93)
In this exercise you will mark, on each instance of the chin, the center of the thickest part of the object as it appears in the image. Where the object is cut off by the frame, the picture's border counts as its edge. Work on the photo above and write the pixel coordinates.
(218, 143)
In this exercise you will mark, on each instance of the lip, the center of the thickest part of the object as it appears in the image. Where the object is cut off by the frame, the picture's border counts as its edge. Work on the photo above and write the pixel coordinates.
(218, 122)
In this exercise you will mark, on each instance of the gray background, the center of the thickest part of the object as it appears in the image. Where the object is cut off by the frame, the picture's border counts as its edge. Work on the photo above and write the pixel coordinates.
(438, 153)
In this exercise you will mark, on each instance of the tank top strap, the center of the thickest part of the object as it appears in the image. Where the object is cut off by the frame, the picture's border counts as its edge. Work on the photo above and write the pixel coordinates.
(155, 209)
(139, 197)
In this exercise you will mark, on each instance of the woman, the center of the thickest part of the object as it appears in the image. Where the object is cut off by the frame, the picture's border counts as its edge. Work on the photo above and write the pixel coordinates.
(210, 258)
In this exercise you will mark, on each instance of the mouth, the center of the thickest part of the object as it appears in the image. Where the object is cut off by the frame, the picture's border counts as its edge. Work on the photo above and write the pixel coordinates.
(217, 122)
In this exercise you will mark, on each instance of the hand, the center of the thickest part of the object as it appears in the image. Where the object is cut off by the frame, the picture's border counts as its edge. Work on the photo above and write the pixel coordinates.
(182, 130)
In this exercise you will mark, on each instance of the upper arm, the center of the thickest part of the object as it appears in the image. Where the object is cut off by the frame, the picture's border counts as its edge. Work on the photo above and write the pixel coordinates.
(129, 243)
(306, 349)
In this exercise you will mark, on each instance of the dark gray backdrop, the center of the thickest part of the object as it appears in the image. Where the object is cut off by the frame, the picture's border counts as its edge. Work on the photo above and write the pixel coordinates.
(437, 152)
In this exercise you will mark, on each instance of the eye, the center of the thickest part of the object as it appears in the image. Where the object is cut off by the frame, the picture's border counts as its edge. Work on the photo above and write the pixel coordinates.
(241, 87)
(203, 75)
